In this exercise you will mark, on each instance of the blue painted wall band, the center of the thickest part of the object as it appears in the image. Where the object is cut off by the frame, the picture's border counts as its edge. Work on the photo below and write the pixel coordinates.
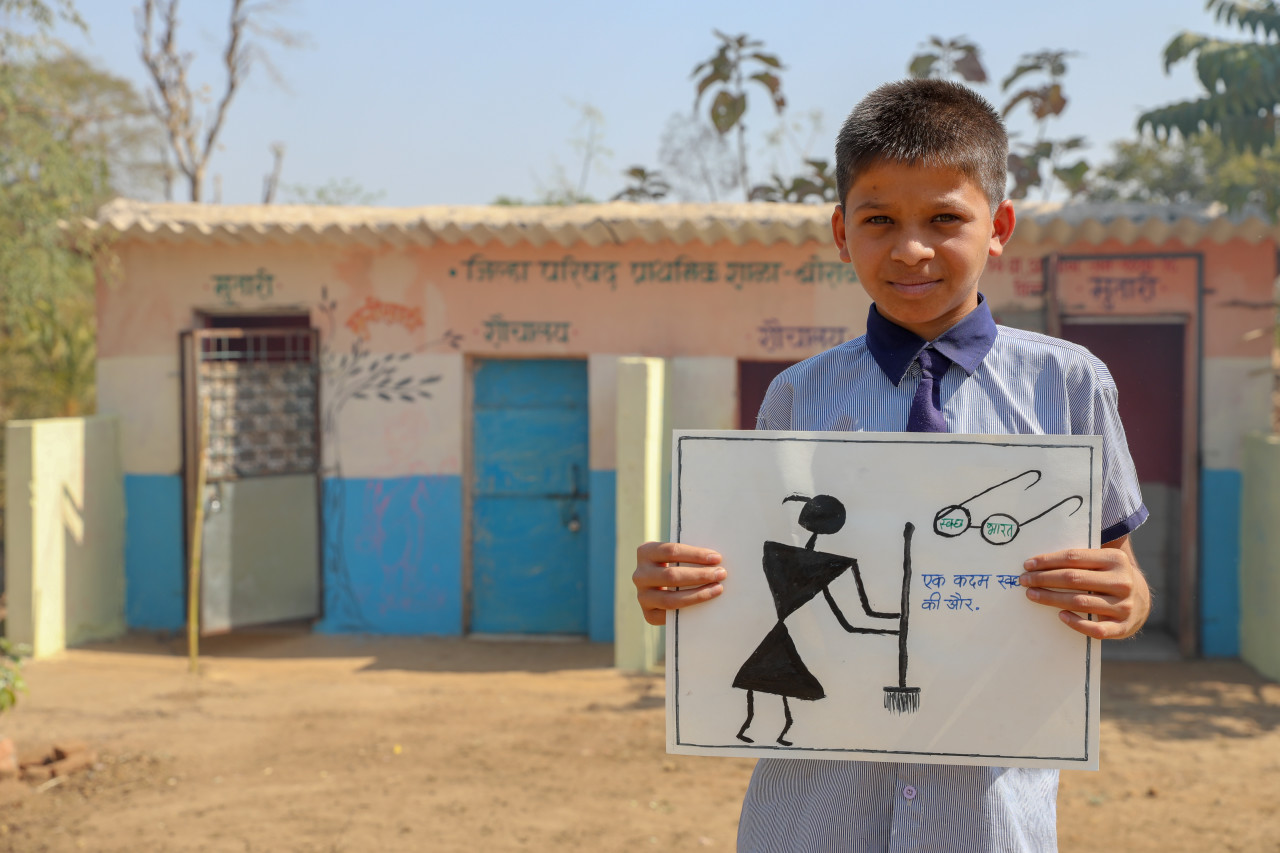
(1220, 492)
(393, 556)
(154, 570)
(603, 553)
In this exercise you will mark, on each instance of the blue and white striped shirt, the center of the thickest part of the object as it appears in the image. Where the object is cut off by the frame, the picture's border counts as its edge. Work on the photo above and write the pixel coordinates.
(1002, 381)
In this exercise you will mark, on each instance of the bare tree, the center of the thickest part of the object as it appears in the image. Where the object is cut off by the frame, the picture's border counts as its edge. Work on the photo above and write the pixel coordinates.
(696, 159)
(272, 181)
(192, 137)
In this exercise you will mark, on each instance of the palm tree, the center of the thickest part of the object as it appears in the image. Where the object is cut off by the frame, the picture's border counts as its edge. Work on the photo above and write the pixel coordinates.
(1239, 77)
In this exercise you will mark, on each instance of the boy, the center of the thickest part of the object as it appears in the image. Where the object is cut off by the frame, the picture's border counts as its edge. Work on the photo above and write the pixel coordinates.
(920, 166)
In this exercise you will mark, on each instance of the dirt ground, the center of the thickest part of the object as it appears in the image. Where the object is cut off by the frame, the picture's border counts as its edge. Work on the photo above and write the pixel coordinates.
(298, 742)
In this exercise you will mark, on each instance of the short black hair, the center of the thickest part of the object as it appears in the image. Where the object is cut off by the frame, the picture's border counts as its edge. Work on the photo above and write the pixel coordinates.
(928, 123)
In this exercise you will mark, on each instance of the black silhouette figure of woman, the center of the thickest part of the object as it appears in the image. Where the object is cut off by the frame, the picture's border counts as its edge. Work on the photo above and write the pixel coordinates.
(795, 576)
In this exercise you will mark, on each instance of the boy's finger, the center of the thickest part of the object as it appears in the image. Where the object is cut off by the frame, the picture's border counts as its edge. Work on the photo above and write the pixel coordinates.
(1079, 558)
(676, 552)
(674, 599)
(1102, 629)
(1088, 579)
(1077, 602)
(654, 576)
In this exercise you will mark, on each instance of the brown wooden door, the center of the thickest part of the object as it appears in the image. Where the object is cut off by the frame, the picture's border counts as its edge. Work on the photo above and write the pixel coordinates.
(753, 381)
(1147, 362)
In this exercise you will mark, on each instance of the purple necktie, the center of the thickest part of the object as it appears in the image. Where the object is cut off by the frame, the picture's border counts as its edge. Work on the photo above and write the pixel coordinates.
(926, 406)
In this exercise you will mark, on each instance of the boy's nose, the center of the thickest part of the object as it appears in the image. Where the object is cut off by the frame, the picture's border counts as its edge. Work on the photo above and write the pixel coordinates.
(911, 250)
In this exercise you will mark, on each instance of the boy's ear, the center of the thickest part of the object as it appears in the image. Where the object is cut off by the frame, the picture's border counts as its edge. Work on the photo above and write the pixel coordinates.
(837, 232)
(1001, 227)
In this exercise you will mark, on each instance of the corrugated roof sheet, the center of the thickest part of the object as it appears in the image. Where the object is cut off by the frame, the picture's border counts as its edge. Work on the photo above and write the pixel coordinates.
(623, 222)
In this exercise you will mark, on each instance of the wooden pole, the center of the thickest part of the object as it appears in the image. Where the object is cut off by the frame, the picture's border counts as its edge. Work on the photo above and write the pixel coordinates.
(193, 573)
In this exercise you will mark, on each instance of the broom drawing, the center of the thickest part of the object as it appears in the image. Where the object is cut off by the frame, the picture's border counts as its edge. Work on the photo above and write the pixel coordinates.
(902, 699)
(795, 576)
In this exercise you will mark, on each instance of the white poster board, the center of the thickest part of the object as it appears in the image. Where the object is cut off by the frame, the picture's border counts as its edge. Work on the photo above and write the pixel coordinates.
(892, 560)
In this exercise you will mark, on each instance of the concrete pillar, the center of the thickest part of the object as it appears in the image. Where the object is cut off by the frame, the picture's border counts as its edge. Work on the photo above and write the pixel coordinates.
(1260, 555)
(704, 393)
(64, 536)
(643, 451)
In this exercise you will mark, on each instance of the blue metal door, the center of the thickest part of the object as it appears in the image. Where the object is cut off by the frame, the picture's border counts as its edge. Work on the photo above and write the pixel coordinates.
(529, 506)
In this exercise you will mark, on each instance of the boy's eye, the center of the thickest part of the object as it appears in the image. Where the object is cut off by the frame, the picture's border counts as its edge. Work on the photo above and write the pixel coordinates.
(878, 220)
(946, 217)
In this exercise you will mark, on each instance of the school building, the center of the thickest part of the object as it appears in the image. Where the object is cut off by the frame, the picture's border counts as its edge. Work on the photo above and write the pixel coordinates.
(412, 413)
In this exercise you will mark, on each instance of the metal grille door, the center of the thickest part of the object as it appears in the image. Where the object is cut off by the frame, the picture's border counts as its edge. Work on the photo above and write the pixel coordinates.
(260, 560)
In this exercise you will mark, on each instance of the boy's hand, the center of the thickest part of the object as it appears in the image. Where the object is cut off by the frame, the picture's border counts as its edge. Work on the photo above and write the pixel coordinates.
(1103, 581)
(655, 577)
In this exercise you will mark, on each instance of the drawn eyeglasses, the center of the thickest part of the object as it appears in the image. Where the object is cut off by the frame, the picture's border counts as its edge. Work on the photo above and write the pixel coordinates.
(999, 528)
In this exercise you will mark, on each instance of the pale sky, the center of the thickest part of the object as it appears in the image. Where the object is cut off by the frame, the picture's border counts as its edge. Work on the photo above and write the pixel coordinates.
(458, 103)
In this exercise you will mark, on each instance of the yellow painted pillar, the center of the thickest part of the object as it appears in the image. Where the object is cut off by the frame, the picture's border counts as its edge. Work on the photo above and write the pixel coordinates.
(1260, 555)
(643, 439)
(21, 581)
(64, 536)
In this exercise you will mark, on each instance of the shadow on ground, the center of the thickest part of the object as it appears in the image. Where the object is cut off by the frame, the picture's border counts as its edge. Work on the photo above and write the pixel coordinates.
(418, 654)
(1191, 700)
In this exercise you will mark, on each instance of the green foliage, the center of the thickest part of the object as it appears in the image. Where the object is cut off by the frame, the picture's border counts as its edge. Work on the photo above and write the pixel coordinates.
(41, 18)
(47, 176)
(71, 136)
(727, 71)
(11, 680)
(1200, 168)
(956, 58)
(1039, 163)
(49, 358)
(645, 185)
(1241, 79)
(819, 185)
(338, 191)
(1031, 164)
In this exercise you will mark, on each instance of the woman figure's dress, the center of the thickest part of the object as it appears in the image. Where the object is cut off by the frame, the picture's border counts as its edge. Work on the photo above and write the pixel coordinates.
(795, 576)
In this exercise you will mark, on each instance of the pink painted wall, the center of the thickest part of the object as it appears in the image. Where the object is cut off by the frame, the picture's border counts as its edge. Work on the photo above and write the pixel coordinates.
(751, 302)
(658, 299)
(643, 299)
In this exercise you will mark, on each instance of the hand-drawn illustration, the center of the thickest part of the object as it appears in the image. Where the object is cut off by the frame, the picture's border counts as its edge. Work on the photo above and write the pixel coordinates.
(795, 576)
(374, 310)
(998, 528)
(359, 375)
(805, 522)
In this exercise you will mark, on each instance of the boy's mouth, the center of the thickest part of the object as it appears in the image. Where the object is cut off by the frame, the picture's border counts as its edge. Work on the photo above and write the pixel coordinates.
(914, 285)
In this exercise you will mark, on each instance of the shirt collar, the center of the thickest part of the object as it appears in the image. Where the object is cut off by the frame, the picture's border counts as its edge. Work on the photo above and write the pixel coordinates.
(966, 343)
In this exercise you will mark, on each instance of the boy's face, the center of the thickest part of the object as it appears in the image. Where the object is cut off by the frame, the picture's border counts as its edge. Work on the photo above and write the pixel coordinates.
(919, 238)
